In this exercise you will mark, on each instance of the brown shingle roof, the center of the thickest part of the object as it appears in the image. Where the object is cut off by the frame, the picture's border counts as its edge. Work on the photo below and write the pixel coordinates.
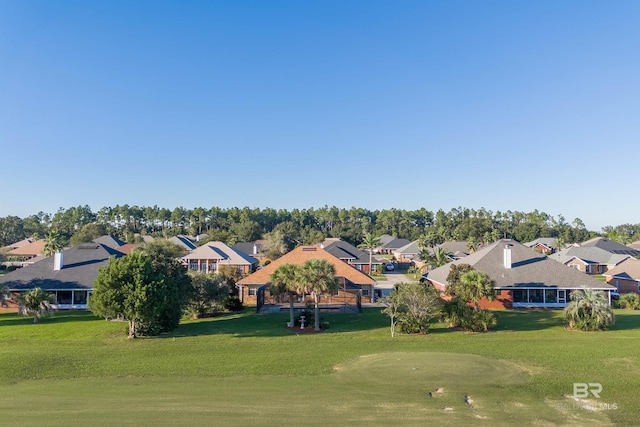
(31, 249)
(301, 254)
(630, 268)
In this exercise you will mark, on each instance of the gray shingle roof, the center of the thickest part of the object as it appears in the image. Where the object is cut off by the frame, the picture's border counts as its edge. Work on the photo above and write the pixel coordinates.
(81, 264)
(609, 246)
(528, 269)
(220, 252)
(111, 241)
(183, 241)
(588, 254)
(247, 247)
(396, 243)
(547, 241)
(347, 251)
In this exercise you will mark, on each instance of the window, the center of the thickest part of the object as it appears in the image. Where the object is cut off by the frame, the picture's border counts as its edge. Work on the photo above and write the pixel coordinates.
(536, 295)
(365, 291)
(575, 266)
(64, 297)
(520, 295)
(498, 292)
(253, 291)
(600, 269)
(550, 296)
(588, 269)
(80, 297)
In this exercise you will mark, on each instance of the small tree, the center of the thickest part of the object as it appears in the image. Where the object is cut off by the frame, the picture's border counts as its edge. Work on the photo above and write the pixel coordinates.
(412, 306)
(318, 277)
(589, 310)
(370, 242)
(393, 309)
(629, 301)
(475, 285)
(208, 296)
(36, 302)
(4, 294)
(285, 279)
(466, 285)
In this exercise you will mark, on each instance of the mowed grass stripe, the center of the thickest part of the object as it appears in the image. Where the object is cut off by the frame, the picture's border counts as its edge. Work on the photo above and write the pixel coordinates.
(254, 360)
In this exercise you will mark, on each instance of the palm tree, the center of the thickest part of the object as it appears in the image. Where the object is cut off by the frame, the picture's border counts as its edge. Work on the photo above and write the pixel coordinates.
(285, 278)
(37, 302)
(370, 242)
(475, 285)
(318, 277)
(471, 245)
(440, 257)
(589, 310)
(53, 243)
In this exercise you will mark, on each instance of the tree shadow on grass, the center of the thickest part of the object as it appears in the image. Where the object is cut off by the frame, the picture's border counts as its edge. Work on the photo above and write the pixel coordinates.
(529, 319)
(539, 319)
(13, 319)
(250, 324)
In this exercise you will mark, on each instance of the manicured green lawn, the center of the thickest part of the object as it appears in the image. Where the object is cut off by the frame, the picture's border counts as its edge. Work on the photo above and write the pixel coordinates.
(247, 369)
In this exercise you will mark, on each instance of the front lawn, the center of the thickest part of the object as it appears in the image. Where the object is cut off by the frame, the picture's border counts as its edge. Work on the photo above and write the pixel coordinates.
(248, 369)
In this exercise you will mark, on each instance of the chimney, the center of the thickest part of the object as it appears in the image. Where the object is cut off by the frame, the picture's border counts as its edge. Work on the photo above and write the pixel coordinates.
(255, 249)
(507, 256)
(58, 261)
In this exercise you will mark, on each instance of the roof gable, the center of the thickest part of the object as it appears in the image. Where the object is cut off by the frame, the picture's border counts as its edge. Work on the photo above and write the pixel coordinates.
(301, 254)
(220, 252)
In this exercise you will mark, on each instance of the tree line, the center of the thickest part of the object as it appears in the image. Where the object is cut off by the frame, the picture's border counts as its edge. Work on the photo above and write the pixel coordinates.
(303, 226)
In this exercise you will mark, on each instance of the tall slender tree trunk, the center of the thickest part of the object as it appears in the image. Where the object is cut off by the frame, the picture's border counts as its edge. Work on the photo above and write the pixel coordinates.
(316, 320)
(132, 329)
(291, 320)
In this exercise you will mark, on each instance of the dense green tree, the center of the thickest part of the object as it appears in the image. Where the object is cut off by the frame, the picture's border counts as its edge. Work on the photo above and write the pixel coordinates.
(164, 260)
(589, 310)
(208, 296)
(130, 287)
(11, 230)
(318, 277)
(89, 232)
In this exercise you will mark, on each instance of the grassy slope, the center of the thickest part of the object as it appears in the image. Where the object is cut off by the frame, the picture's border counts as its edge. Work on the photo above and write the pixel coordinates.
(247, 369)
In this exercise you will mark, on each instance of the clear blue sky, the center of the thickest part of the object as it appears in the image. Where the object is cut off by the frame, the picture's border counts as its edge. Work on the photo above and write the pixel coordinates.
(506, 105)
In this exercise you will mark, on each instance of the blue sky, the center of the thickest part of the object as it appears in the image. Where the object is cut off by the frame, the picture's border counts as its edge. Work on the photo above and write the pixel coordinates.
(506, 105)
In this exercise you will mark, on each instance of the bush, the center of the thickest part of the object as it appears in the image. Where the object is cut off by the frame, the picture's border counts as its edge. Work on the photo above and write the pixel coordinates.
(233, 304)
(629, 301)
(309, 316)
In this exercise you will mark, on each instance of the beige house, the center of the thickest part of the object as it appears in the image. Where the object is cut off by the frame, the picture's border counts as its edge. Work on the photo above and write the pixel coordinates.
(212, 256)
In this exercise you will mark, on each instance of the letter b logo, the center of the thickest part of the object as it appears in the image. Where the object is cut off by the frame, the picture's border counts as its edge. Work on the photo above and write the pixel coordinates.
(581, 390)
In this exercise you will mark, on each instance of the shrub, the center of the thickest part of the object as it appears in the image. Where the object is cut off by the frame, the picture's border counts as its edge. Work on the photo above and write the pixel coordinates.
(629, 301)
(233, 303)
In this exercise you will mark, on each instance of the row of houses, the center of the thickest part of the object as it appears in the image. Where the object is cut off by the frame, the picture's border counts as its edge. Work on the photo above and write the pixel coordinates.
(524, 277)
